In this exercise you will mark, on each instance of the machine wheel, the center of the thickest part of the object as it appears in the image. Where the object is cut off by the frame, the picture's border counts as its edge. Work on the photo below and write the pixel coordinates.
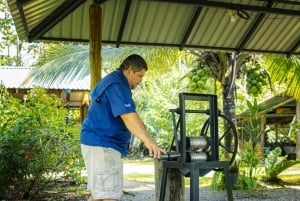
(228, 139)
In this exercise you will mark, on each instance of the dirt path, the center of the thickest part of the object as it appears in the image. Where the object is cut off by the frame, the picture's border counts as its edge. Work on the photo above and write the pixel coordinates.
(140, 191)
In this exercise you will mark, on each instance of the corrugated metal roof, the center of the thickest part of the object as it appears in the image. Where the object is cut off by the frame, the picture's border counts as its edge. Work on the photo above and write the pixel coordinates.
(270, 27)
(13, 77)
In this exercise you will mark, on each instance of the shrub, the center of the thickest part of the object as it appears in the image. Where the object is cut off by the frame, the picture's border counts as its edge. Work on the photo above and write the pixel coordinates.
(35, 144)
(275, 164)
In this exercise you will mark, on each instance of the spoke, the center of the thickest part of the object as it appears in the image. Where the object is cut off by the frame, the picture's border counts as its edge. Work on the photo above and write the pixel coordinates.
(228, 147)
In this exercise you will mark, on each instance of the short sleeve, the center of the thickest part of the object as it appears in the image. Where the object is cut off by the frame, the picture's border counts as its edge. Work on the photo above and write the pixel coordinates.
(120, 99)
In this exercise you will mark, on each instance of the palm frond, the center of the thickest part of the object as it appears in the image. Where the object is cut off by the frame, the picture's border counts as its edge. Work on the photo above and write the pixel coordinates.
(285, 71)
(66, 63)
(70, 64)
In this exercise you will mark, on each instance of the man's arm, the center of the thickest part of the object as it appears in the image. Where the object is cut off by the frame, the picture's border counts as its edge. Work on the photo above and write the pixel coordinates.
(137, 127)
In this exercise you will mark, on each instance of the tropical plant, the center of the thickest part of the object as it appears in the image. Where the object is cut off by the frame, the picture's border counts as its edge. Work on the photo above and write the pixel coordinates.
(13, 51)
(275, 163)
(250, 154)
(284, 70)
(8, 36)
(62, 63)
(224, 68)
(154, 100)
(35, 144)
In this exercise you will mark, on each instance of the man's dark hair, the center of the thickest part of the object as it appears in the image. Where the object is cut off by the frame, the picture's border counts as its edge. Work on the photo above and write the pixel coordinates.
(135, 61)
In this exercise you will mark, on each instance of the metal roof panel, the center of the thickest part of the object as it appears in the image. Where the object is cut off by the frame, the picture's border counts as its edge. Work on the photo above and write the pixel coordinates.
(13, 77)
(270, 28)
(165, 22)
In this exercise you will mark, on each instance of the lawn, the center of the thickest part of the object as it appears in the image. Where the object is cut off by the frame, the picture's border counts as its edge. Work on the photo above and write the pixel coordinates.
(140, 173)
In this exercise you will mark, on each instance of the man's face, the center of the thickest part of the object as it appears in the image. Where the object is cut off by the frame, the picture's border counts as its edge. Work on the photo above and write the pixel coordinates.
(135, 78)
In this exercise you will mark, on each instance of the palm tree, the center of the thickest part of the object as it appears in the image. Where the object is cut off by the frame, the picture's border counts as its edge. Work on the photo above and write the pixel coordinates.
(285, 71)
(225, 68)
(64, 63)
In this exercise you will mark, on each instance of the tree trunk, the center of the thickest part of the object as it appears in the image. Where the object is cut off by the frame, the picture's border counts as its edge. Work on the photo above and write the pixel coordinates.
(298, 132)
(228, 107)
(175, 183)
(229, 111)
(95, 15)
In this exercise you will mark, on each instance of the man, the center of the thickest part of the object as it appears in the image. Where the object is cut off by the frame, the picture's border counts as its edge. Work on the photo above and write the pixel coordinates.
(107, 129)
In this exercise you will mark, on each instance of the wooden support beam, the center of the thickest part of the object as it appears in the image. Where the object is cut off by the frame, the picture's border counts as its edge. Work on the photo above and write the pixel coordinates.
(95, 38)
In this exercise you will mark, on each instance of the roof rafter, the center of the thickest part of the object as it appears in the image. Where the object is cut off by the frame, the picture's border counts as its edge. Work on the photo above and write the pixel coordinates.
(266, 23)
(22, 15)
(170, 45)
(253, 28)
(22, 2)
(234, 6)
(190, 27)
(123, 23)
(293, 49)
(55, 17)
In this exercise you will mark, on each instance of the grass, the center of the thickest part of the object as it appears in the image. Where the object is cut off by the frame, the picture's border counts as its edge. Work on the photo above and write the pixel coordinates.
(144, 161)
(150, 178)
(286, 178)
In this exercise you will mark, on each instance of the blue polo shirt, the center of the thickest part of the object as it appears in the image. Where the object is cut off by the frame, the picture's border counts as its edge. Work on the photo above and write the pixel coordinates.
(103, 125)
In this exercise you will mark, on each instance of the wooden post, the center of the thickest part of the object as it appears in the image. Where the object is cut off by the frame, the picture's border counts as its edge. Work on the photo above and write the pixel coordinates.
(175, 187)
(95, 42)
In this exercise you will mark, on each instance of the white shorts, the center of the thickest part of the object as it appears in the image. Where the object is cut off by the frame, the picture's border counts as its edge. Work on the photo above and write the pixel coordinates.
(105, 172)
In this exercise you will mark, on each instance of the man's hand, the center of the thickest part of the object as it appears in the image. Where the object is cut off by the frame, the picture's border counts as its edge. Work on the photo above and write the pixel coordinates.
(154, 149)
(137, 127)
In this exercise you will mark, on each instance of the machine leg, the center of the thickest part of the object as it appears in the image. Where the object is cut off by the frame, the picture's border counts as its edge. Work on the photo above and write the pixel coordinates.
(163, 184)
(228, 184)
(194, 185)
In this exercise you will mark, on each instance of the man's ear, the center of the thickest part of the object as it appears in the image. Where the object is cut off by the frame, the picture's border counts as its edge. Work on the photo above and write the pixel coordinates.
(127, 71)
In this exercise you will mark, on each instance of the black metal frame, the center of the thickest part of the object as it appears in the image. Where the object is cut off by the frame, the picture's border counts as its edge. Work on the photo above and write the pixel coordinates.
(213, 118)
(195, 169)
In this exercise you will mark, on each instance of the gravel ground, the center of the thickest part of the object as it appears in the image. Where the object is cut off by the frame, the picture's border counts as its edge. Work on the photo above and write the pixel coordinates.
(139, 191)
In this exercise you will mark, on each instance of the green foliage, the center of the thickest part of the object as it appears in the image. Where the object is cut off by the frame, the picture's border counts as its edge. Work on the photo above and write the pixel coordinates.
(61, 62)
(218, 181)
(154, 98)
(250, 154)
(35, 144)
(284, 70)
(294, 128)
(7, 30)
(275, 164)
(10, 44)
(252, 125)
(8, 35)
(246, 183)
(249, 160)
